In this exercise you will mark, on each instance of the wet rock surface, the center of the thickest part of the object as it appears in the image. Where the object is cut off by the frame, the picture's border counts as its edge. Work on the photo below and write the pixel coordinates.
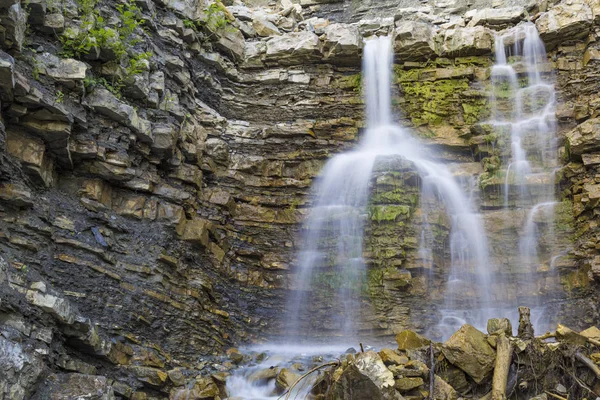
(150, 208)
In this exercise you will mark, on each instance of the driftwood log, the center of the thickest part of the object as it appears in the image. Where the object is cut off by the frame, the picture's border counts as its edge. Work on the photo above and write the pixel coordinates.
(503, 360)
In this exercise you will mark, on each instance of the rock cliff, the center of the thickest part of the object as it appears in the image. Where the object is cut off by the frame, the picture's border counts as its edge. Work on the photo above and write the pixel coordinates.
(157, 156)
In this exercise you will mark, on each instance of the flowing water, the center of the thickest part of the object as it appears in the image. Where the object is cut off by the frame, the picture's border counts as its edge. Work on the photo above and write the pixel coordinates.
(331, 270)
(523, 113)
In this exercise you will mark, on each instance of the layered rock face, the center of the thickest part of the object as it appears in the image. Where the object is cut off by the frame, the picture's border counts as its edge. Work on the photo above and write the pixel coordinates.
(153, 180)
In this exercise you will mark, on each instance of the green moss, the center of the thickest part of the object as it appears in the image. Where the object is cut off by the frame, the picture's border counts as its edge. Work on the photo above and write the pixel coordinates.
(475, 110)
(389, 213)
(431, 102)
(473, 60)
(395, 196)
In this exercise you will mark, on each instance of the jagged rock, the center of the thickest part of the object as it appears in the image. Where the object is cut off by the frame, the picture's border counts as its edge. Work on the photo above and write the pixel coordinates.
(469, 350)
(164, 139)
(53, 23)
(442, 390)
(591, 333)
(413, 41)
(566, 21)
(404, 385)
(241, 12)
(585, 138)
(496, 17)
(194, 231)
(263, 26)
(32, 153)
(105, 103)
(470, 41)
(56, 306)
(567, 335)
(409, 340)
(263, 375)
(366, 377)
(16, 195)
(204, 388)
(390, 357)
(499, 325)
(286, 378)
(342, 43)
(77, 386)
(14, 25)
(293, 48)
(231, 41)
(148, 375)
(7, 78)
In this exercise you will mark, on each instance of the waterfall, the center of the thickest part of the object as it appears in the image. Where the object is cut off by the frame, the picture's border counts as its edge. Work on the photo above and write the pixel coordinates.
(331, 259)
(523, 112)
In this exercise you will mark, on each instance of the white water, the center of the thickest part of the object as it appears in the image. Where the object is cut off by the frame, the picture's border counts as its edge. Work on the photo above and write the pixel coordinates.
(524, 105)
(334, 230)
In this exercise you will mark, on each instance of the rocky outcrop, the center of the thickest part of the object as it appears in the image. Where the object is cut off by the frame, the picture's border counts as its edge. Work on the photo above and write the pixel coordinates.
(158, 199)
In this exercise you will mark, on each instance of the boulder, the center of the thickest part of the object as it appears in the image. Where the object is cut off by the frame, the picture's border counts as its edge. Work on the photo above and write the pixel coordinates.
(413, 41)
(470, 41)
(585, 138)
(14, 24)
(566, 21)
(407, 384)
(32, 153)
(342, 44)
(442, 390)
(286, 378)
(499, 325)
(408, 340)
(16, 195)
(469, 350)
(366, 377)
(390, 357)
(591, 333)
(293, 48)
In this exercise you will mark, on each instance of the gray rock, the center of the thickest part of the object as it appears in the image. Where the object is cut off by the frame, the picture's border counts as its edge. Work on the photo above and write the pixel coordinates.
(496, 16)
(293, 48)
(468, 41)
(60, 68)
(77, 386)
(263, 26)
(342, 43)
(105, 103)
(413, 41)
(565, 22)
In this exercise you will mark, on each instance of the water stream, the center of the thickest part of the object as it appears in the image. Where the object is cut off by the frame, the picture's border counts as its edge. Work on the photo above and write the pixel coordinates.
(331, 271)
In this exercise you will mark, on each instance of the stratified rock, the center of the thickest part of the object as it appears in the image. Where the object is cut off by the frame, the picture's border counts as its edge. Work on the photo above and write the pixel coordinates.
(585, 138)
(408, 340)
(469, 350)
(14, 24)
(105, 103)
(194, 231)
(462, 42)
(413, 41)
(496, 17)
(293, 48)
(406, 384)
(342, 44)
(148, 375)
(33, 155)
(16, 195)
(390, 357)
(566, 21)
(77, 386)
(364, 378)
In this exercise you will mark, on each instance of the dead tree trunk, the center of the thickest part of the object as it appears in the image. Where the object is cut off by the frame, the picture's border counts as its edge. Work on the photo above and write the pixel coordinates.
(525, 327)
(503, 360)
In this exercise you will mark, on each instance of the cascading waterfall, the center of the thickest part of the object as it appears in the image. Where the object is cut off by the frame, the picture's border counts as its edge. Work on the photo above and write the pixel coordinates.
(333, 234)
(523, 109)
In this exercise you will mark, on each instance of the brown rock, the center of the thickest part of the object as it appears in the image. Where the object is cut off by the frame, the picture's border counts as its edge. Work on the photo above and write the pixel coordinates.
(469, 350)
(408, 340)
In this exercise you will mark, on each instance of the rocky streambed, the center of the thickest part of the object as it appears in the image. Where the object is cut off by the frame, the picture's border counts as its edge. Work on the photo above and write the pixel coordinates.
(471, 364)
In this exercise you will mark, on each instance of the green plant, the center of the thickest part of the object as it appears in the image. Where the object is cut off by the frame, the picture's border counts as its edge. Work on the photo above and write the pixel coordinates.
(137, 63)
(60, 96)
(188, 23)
(216, 16)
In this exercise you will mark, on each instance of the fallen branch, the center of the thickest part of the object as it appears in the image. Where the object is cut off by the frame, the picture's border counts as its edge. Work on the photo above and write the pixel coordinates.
(555, 395)
(588, 363)
(547, 335)
(503, 360)
(289, 391)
